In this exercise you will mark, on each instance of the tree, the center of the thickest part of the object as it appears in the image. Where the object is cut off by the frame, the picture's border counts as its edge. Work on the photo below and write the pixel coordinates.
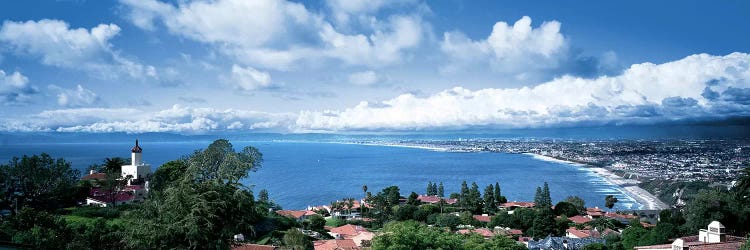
(441, 190)
(718, 205)
(499, 198)
(474, 199)
(294, 239)
(167, 174)
(579, 203)
(112, 185)
(362, 206)
(412, 200)
(543, 224)
(566, 208)
(742, 186)
(39, 182)
(546, 195)
(414, 235)
(205, 208)
(538, 200)
(113, 164)
(610, 201)
(317, 222)
(263, 195)
(464, 195)
(489, 199)
(429, 188)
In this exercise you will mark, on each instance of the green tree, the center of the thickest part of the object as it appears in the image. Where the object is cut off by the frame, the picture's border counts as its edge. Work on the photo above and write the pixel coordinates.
(489, 199)
(718, 205)
(546, 196)
(475, 199)
(167, 174)
(499, 198)
(610, 201)
(412, 199)
(543, 224)
(414, 235)
(39, 182)
(112, 185)
(579, 203)
(463, 198)
(566, 208)
(441, 190)
(429, 188)
(113, 164)
(206, 208)
(294, 239)
(263, 195)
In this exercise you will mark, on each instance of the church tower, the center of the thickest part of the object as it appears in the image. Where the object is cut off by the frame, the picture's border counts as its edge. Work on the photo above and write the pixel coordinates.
(137, 172)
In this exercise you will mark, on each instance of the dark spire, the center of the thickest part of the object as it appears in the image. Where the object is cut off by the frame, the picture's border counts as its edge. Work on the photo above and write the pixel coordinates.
(136, 149)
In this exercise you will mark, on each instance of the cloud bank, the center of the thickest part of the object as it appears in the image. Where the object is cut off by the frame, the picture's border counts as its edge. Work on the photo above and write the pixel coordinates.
(698, 87)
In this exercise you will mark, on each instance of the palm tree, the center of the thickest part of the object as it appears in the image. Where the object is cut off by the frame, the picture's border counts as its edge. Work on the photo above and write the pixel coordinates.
(362, 206)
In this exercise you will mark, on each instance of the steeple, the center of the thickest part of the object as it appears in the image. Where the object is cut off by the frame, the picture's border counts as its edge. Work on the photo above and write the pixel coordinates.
(136, 149)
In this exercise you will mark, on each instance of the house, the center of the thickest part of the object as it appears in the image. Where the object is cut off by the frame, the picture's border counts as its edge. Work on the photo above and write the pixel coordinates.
(622, 218)
(550, 243)
(358, 234)
(579, 219)
(587, 233)
(335, 245)
(594, 212)
(136, 189)
(714, 237)
(484, 232)
(434, 199)
(299, 215)
(483, 218)
(255, 247)
(516, 204)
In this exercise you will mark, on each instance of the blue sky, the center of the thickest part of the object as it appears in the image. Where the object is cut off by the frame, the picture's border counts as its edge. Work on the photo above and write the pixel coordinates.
(335, 65)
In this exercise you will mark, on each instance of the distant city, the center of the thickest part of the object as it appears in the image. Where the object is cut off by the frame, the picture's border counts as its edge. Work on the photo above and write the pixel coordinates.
(715, 161)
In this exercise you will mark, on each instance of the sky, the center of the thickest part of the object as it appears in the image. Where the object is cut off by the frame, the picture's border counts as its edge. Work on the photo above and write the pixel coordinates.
(195, 66)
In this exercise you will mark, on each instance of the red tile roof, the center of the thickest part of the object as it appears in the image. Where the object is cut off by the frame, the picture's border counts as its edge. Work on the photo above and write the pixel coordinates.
(517, 204)
(103, 196)
(348, 231)
(254, 247)
(515, 232)
(483, 218)
(434, 199)
(292, 213)
(578, 233)
(335, 245)
(94, 176)
(579, 219)
(484, 232)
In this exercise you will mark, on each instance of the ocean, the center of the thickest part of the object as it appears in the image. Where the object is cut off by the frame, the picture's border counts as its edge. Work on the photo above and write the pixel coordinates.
(299, 174)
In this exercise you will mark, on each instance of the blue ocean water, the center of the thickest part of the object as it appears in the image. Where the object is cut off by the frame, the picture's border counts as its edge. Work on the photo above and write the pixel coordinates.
(298, 174)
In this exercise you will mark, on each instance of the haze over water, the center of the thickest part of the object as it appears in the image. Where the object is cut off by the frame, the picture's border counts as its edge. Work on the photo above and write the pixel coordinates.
(298, 174)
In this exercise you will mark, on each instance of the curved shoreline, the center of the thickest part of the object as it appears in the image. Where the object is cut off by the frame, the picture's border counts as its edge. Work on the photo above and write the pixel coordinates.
(647, 200)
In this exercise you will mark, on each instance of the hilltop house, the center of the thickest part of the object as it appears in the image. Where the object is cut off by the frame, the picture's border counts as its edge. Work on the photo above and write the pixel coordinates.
(136, 175)
(715, 237)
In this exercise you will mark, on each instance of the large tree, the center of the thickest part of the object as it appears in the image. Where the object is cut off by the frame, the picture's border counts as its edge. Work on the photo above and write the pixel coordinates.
(167, 174)
(205, 208)
(38, 181)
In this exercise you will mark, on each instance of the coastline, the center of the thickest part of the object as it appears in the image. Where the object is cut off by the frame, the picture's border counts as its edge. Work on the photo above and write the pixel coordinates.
(630, 187)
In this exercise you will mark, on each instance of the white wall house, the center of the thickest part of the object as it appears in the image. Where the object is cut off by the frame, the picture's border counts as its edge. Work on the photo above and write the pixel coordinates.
(137, 171)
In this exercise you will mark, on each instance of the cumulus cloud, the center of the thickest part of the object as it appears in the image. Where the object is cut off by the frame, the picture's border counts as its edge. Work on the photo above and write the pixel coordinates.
(15, 88)
(278, 34)
(248, 78)
(178, 119)
(55, 43)
(645, 92)
(344, 10)
(77, 97)
(509, 48)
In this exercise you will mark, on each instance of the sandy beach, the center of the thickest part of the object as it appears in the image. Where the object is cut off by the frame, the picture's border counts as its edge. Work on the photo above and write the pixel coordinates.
(629, 186)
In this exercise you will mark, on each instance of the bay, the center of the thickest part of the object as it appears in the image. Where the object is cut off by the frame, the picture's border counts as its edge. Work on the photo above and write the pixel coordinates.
(300, 174)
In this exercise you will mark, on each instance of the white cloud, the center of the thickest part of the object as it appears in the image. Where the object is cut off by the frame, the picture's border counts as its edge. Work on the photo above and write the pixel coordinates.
(643, 93)
(77, 97)
(513, 48)
(364, 78)
(248, 78)
(178, 119)
(343, 10)
(15, 88)
(54, 43)
(279, 34)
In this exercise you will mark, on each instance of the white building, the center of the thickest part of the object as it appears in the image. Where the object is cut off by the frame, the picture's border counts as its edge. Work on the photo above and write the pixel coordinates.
(714, 237)
(137, 172)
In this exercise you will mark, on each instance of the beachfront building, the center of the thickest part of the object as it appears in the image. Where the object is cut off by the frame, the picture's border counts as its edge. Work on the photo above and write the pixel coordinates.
(714, 237)
(137, 175)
